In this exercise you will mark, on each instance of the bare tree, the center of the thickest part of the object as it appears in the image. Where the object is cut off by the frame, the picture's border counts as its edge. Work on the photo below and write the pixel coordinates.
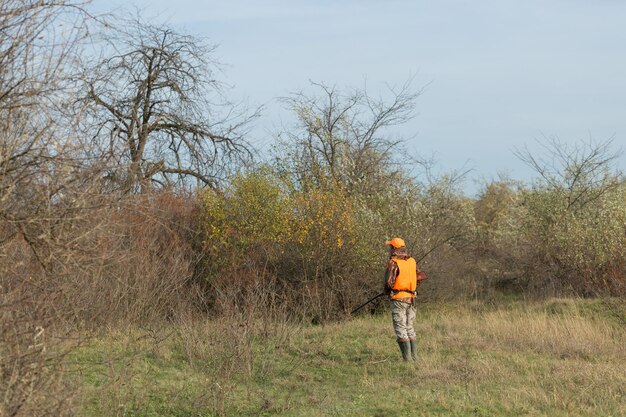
(40, 180)
(42, 166)
(37, 43)
(583, 172)
(342, 138)
(159, 111)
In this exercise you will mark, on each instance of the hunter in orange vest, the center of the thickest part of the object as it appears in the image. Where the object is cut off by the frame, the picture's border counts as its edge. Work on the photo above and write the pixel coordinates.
(402, 278)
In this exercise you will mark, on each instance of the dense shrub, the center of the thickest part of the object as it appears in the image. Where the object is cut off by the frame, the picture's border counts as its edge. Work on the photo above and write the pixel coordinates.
(582, 249)
(321, 251)
(536, 243)
(256, 229)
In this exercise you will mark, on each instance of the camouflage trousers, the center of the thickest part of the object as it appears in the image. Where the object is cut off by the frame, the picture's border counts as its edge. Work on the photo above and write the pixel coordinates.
(403, 315)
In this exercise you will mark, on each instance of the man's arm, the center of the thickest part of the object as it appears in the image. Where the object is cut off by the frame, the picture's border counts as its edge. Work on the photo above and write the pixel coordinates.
(421, 275)
(390, 275)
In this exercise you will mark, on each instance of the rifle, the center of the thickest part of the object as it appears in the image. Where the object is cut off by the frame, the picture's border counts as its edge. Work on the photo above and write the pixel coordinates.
(367, 302)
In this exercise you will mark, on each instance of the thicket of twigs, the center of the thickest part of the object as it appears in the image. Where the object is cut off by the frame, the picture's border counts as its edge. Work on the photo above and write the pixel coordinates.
(129, 193)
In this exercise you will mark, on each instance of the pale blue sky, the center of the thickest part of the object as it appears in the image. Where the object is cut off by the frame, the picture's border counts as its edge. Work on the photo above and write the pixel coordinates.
(499, 73)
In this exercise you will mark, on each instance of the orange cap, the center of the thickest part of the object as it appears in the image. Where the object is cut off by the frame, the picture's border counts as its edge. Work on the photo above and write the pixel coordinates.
(396, 242)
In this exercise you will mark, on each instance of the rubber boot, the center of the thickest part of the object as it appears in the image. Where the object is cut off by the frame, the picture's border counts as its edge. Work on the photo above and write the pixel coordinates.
(405, 348)
(413, 344)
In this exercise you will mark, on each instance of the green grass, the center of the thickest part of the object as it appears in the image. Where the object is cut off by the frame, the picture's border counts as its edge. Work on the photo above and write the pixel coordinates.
(554, 358)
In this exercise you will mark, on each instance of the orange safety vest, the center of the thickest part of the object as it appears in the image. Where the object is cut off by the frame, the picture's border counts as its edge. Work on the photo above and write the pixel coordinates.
(406, 279)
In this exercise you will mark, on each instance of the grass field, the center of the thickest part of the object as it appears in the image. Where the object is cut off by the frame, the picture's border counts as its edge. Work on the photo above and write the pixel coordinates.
(550, 358)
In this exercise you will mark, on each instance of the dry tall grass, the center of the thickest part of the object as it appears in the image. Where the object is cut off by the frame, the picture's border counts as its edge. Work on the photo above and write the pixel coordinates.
(125, 261)
(554, 358)
(560, 329)
(557, 355)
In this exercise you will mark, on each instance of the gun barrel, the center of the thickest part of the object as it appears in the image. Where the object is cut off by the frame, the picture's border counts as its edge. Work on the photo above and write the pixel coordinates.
(367, 302)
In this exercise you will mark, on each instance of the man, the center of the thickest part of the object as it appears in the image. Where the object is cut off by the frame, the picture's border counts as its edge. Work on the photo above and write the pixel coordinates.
(402, 278)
